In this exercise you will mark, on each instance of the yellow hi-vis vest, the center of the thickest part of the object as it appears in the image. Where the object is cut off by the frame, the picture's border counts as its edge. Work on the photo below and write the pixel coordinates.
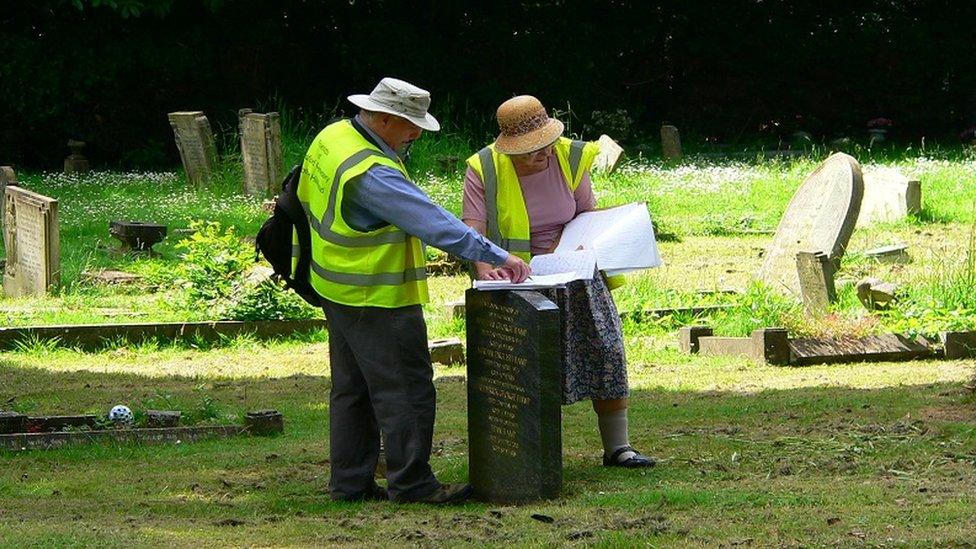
(506, 216)
(379, 268)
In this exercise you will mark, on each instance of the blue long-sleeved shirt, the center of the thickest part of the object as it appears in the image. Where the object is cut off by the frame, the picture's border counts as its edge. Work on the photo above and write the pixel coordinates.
(383, 195)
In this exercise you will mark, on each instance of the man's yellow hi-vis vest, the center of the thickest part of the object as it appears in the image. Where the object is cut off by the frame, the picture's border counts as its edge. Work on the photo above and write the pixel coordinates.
(380, 268)
(507, 218)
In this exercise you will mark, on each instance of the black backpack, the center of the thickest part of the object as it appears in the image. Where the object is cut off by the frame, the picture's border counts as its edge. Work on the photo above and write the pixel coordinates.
(274, 239)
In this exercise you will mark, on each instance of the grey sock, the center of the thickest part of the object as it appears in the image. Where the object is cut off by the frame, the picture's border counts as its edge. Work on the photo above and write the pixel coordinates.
(613, 431)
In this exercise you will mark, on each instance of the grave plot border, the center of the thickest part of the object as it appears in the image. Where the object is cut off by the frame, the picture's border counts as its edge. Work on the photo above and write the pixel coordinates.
(93, 336)
(256, 423)
(773, 346)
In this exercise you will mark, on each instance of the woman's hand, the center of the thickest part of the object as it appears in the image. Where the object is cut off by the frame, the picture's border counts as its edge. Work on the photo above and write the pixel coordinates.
(513, 269)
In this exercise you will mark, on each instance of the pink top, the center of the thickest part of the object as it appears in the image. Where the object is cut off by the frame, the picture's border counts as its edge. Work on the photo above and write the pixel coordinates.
(547, 199)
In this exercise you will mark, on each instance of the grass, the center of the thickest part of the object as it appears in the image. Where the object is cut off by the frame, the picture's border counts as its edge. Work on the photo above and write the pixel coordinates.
(879, 454)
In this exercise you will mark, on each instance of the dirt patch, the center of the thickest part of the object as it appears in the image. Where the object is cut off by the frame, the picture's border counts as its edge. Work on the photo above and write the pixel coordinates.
(953, 413)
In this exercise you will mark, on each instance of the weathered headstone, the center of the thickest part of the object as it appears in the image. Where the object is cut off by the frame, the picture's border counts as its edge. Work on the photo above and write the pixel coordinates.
(888, 196)
(32, 243)
(892, 253)
(260, 151)
(815, 273)
(514, 395)
(195, 141)
(670, 143)
(820, 218)
(76, 162)
(7, 177)
(610, 155)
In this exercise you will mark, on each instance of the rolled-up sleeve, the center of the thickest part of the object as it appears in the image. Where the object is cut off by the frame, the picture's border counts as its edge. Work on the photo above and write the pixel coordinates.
(388, 195)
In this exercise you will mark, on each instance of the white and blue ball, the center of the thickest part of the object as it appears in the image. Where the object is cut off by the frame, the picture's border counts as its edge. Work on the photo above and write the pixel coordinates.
(121, 415)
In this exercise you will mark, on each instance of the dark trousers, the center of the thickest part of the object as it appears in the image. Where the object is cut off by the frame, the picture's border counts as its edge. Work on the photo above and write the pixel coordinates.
(382, 381)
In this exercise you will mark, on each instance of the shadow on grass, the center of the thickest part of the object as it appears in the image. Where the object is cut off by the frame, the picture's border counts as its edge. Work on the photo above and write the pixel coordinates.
(730, 463)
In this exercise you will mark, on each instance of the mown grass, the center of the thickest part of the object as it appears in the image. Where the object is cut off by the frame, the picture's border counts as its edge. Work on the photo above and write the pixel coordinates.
(878, 454)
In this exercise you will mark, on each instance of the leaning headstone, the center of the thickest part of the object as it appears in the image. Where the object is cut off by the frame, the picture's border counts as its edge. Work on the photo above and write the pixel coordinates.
(610, 155)
(76, 162)
(260, 151)
(888, 196)
(195, 141)
(32, 242)
(820, 218)
(514, 395)
(670, 143)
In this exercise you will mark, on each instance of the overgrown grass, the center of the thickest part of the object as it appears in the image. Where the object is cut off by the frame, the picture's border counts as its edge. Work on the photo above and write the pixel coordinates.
(695, 203)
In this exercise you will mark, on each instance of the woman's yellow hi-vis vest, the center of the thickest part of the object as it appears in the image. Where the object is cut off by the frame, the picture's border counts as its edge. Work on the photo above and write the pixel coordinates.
(507, 218)
(380, 268)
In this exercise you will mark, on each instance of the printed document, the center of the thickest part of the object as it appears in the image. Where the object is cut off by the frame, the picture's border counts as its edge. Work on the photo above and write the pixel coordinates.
(622, 237)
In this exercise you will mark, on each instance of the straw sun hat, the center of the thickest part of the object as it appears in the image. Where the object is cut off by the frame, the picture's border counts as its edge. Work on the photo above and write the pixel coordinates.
(525, 126)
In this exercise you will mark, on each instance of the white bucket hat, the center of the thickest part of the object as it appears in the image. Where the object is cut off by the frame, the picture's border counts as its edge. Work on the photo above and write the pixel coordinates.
(401, 99)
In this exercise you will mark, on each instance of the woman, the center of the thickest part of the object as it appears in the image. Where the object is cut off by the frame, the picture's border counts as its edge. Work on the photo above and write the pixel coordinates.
(520, 192)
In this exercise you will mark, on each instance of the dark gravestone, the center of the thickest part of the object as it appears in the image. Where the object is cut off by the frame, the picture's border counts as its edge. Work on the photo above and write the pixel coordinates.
(514, 395)
(137, 235)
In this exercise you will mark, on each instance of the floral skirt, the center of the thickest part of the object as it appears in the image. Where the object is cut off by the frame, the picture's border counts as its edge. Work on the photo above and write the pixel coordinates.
(594, 367)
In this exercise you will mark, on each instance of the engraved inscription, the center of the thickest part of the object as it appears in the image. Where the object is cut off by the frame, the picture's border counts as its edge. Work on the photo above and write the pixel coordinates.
(505, 396)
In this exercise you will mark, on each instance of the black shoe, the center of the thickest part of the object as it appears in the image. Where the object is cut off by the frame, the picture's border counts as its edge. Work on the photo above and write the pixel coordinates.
(376, 493)
(445, 493)
(631, 462)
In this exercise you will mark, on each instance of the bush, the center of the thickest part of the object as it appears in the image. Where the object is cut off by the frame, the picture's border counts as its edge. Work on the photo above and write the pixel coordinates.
(220, 278)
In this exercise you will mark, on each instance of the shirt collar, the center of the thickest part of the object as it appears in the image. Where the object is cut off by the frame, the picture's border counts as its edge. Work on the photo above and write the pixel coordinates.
(383, 146)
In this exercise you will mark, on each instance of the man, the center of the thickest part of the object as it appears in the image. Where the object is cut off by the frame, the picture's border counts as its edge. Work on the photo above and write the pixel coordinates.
(367, 223)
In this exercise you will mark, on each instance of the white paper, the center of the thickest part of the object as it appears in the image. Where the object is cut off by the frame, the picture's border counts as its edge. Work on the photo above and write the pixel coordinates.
(533, 282)
(549, 270)
(582, 262)
(622, 238)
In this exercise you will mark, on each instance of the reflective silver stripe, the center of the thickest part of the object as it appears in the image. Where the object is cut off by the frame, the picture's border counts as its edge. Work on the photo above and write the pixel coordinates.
(515, 245)
(490, 180)
(575, 155)
(378, 279)
(296, 250)
(324, 227)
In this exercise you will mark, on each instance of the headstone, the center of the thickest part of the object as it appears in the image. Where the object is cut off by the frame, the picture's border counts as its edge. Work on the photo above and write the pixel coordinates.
(137, 235)
(260, 152)
(670, 143)
(163, 418)
(893, 253)
(816, 275)
(264, 422)
(958, 344)
(514, 395)
(610, 155)
(446, 351)
(195, 141)
(888, 196)
(32, 243)
(820, 218)
(7, 177)
(875, 294)
(76, 162)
